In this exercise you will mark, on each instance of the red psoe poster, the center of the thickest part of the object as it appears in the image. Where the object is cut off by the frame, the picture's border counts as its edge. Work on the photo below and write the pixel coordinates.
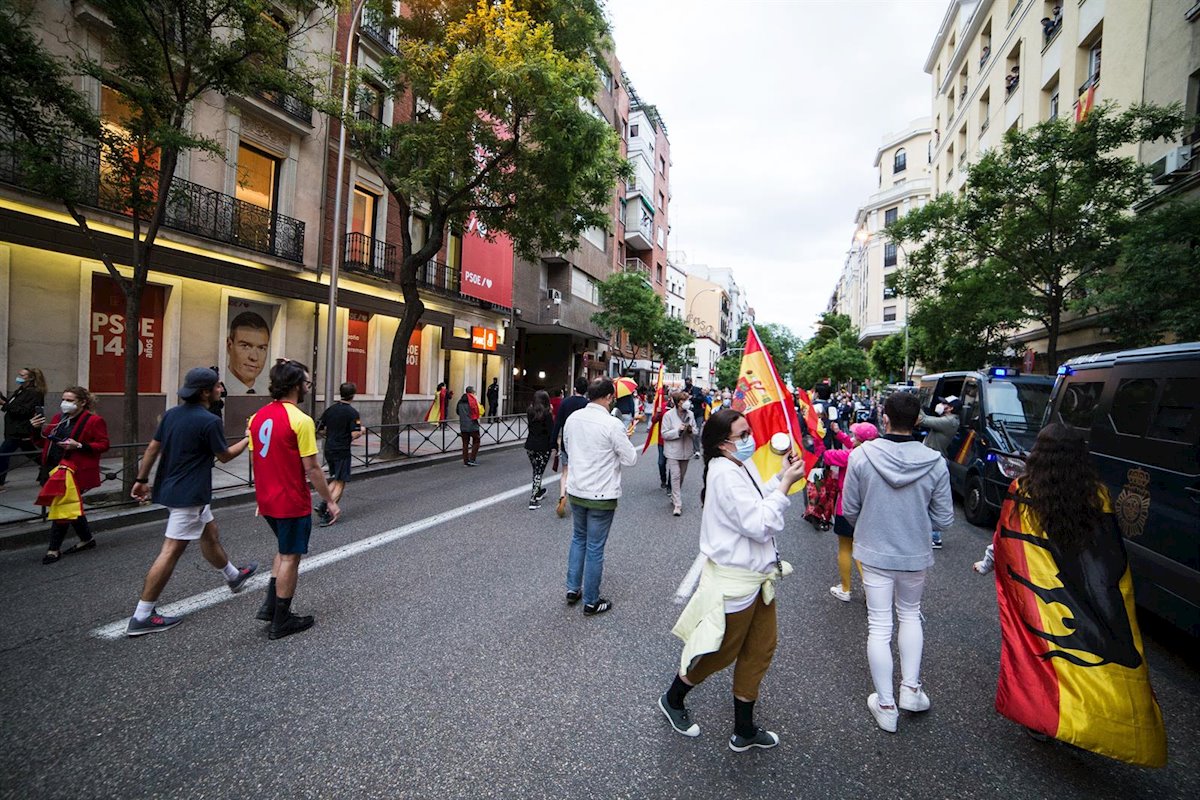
(357, 328)
(412, 364)
(106, 338)
(487, 267)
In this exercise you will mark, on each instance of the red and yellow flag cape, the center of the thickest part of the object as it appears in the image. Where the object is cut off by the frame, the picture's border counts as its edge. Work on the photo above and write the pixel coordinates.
(660, 407)
(435, 411)
(1071, 660)
(762, 397)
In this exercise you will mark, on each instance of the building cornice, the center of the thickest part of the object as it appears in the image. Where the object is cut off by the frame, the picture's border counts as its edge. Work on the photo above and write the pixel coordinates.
(917, 128)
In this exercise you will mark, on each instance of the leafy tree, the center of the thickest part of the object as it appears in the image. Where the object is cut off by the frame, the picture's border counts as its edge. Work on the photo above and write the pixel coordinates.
(630, 306)
(495, 132)
(1154, 283)
(887, 358)
(1045, 213)
(778, 340)
(834, 361)
(160, 57)
(832, 327)
(673, 342)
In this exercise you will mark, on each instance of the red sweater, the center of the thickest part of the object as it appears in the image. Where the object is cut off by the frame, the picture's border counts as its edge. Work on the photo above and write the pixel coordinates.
(85, 462)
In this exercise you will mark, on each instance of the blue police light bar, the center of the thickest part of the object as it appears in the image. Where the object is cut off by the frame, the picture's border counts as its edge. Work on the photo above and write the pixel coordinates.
(1002, 372)
(1065, 370)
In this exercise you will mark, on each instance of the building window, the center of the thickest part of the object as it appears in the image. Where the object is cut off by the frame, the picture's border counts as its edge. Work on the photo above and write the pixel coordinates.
(889, 313)
(1093, 66)
(888, 292)
(257, 177)
(633, 131)
(900, 161)
(890, 216)
(662, 165)
(362, 212)
(370, 102)
(658, 275)
(889, 254)
(1053, 112)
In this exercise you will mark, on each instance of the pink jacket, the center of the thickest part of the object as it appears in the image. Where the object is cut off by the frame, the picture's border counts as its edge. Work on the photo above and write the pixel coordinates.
(836, 458)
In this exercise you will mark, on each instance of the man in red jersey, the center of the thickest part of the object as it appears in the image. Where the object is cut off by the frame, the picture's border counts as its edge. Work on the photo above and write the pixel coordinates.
(283, 440)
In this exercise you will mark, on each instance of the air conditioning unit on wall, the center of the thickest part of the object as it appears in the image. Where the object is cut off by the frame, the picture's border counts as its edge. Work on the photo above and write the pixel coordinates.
(1166, 169)
(555, 296)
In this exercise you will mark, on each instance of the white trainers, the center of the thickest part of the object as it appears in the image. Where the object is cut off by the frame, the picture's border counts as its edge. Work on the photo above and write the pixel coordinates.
(886, 718)
(840, 593)
(912, 699)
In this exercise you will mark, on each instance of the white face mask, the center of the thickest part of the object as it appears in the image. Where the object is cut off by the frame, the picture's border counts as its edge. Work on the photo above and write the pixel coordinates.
(687, 405)
(68, 407)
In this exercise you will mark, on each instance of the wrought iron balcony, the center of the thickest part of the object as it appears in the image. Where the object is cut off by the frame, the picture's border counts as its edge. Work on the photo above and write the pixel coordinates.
(296, 106)
(375, 140)
(374, 25)
(439, 277)
(191, 208)
(369, 256)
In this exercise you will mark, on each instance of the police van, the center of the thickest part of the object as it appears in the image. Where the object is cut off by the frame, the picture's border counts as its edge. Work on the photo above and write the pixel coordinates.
(1000, 414)
(1139, 410)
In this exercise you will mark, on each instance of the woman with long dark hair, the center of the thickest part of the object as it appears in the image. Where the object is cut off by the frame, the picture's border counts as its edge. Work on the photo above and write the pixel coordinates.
(731, 617)
(1072, 665)
(539, 444)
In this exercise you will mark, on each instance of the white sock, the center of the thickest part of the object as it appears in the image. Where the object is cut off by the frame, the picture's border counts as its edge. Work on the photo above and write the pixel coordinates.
(231, 572)
(144, 610)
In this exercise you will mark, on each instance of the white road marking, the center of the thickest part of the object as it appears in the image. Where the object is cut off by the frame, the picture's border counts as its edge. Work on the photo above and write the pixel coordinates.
(212, 597)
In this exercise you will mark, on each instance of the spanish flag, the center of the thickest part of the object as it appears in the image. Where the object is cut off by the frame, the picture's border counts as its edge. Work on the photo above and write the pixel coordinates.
(762, 397)
(1072, 664)
(435, 413)
(1086, 101)
(808, 412)
(660, 407)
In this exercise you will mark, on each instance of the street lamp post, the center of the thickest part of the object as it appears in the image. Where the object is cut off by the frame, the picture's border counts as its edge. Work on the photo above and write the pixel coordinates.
(338, 247)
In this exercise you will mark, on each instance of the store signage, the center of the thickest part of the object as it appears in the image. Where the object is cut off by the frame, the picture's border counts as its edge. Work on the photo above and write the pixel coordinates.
(483, 338)
(356, 349)
(487, 266)
(106, 359)
(412, 363)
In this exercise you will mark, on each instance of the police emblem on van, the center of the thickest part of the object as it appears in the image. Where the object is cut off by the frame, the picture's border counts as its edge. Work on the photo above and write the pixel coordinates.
(1133, 503)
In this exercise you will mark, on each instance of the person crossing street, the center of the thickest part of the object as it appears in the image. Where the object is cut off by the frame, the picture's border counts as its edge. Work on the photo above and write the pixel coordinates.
(188, 438)
(283, 440)
(342, 427)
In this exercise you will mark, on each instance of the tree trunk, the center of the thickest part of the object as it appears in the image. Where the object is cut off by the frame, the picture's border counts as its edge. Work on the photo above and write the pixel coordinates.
(393, 398)
(1052, 340)
(129, 422)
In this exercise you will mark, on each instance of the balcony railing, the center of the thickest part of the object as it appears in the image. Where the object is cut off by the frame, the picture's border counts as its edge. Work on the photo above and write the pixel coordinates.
(376, 139)
(367, 255)
(1050, 29)
(1089, 83)
(638, 266)
(374, 25)
(440, 277)
(191, 208)
(298, 107)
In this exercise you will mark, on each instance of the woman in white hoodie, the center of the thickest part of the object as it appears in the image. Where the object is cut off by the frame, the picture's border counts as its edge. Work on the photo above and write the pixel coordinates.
(731, 616)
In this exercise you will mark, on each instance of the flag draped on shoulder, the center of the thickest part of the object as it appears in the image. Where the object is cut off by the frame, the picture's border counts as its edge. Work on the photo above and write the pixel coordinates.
(762, 397)
(654, 437)
(1072, 665)
(436, 411)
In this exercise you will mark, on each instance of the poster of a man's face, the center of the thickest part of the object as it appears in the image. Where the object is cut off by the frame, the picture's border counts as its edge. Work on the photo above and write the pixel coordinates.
(248, 348)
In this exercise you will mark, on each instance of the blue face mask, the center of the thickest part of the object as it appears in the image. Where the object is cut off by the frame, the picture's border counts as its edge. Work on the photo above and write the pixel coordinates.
(20, 380)
(745, 449)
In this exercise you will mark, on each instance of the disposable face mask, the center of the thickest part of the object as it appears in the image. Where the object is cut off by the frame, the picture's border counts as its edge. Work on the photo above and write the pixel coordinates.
(68, 407)
(20, 380)
(745, 449)
(687, 405)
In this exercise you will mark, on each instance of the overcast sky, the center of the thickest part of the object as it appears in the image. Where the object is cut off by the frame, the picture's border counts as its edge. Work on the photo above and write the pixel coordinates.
(775, 109)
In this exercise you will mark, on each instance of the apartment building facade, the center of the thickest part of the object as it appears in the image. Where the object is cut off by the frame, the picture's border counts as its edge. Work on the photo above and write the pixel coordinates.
(902, 162)
(998, 65)
(708, 309)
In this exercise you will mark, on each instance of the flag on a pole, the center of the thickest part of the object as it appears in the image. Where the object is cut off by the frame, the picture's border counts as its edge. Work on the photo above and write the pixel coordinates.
(660, 406)
(808, 412)
(762, 397)
(1072, 664)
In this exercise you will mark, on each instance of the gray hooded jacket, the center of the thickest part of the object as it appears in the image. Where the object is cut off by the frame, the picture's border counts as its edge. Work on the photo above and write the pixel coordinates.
(895, 494)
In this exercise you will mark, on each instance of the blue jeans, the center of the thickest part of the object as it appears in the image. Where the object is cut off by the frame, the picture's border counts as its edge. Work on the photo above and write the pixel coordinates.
(662, 465)
(585, 563)
(23, 447)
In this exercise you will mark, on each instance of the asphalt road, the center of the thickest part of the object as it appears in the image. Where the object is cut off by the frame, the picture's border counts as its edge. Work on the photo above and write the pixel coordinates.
(444, 664)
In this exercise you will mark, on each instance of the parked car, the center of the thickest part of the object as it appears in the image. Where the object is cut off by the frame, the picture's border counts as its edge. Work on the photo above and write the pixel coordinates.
(1139, 411)
(1000, 415)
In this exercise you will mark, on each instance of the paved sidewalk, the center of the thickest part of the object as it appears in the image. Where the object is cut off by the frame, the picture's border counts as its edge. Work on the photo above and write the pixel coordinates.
(21, 521)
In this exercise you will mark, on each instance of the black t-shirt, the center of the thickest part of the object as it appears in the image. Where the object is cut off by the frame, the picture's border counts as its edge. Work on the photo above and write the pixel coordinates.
(190, 436)
(824, 391)
(339, 421)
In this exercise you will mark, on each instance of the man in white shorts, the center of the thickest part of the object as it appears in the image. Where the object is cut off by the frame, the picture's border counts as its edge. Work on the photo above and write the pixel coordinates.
(188, 438)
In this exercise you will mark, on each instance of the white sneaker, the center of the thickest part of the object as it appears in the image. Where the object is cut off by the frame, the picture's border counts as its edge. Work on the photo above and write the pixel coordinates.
(840, 593)
(912, 699)
(886, 718)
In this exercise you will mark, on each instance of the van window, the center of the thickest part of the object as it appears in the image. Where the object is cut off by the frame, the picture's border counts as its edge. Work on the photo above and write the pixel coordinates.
(1176, 409)
(1078, 405)
(1131, 406)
